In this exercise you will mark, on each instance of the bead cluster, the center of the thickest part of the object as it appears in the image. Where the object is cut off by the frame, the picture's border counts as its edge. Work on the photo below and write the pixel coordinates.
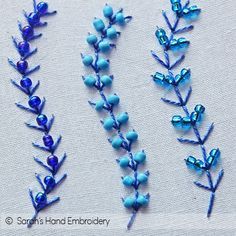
(191, 119)
(36, 106)
(114, 123)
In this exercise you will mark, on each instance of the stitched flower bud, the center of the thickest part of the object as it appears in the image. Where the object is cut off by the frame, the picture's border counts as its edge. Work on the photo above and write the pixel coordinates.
(199, 108)
(34, 101)
(120, 19)
(41, 198)
(111, 33)
(128, 181)
(98, 24)
(102, 64)
(26, 82)
(142, 178)
(116, 142)
(132, 136)
(129, 202)
(104, 46)
(113, 100)
(191, 13)
(142, 200)
(99, 105)
(91, 39)
(108, 123)
(107, 11)
(89, 81)
(161, 36)
(176, 121)
(87, 60)
(124, 162)
(140, 157)
(123, 118)
(106, 80)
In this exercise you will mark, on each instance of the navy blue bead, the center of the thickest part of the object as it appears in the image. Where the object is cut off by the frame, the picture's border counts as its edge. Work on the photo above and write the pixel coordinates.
(34, 101)
(52, 161)
(49, 181)
(27, 32)
(22, 66)
(42, 7)
(47, 140)
(41, 198)
(25, 82)
(23, 48)
(33, 18)
(42, 119)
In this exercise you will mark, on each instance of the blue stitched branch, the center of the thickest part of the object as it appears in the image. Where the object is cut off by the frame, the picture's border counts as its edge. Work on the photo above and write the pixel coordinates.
(36, 105)
(114, 123)
(192, 119)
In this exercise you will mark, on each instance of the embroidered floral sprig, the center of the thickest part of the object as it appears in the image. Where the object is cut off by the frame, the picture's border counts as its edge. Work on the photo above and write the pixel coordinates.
(36, 105)
(191, 119)
(115, 122)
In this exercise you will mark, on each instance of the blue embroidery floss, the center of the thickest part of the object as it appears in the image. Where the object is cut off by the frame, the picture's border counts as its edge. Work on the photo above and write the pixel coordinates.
(192, 119)
(100, 80)
(36, 104)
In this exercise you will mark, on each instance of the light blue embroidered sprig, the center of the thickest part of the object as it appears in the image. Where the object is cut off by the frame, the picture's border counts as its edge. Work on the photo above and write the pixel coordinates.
(36, 105)
(191, 120)
(100, 80)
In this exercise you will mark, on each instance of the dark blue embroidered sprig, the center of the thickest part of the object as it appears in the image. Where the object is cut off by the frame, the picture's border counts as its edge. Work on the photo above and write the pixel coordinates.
(100, 80)
(36, 105)
(191, 120)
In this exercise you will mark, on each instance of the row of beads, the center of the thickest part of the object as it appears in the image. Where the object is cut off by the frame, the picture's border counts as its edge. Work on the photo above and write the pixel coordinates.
(186, 122)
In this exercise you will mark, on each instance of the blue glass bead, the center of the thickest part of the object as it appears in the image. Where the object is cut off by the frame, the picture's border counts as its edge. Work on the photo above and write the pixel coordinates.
(176, 121)
(107, 11)
(199, 164)
(215, 153)
(199, 108)
(106, 80)
(108, 123)
(195, 117)
(132, 136)
(98, 24)
(142, 200)
(159, 78)
(41, 198)
(161, 36)
(128, 181)
(52, 161)
(174, 46)
(91, 39)
(99, 105)
(116, 142)
(42, 7)
(190, 161)
(142, 178)
(34, 101)
(120, 19)
(111, 33)
(185, 73)
(140, 157)
(87, 60)
(27, 32)
(186, 122)
(42, 119)
(49, 181)
(124, 162)
(104, 46)
(123, 118)
(183, 43)
(102, 64)
(48, 140)
(113, 100)
(25, 82)
(33, 18)
(89, 81)
(129, 202)
(23, 48)
(22, 66)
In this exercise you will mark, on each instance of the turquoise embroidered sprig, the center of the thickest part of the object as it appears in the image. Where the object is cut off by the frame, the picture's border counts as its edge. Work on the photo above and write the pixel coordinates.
(114, 123)
(191, 119)
(35, 106)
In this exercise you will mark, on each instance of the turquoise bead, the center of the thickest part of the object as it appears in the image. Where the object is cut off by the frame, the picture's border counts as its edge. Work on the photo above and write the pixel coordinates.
(159, 78)
(199, 164)
(91, 39)
(142, 200)
(89, 81)
(140, 157)
(107, 11)
(87, 60)
(108, 123)
(215, 153)
(129, 202)
(102, 64)
(113, 100)
(111, 33)
(124, 162)
(106, 80)
(199, 108)
(99, 105)
(123, 118)
(104, 46)
(98, 24)
(186, 122)
(176, 121)
(128, 181)
(190, 161)
(116, 143)
(120, 19)
(132, 136)
(142, 178)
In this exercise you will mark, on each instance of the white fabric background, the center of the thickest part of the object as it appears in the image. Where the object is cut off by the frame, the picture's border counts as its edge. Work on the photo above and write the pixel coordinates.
(93, 184)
